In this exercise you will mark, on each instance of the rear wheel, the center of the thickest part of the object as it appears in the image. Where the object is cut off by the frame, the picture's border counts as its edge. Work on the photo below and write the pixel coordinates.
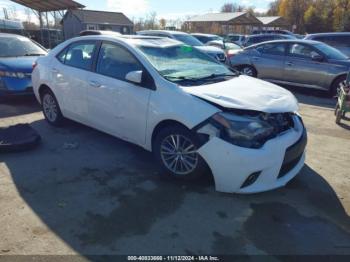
(248, 71)
(51, 109)
(175, 148)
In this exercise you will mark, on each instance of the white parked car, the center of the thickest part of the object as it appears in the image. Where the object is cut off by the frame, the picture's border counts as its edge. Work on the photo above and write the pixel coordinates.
(186, 107)
(187, 39)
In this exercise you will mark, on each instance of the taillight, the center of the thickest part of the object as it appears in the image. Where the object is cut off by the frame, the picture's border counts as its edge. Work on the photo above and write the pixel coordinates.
(34, 65)
(230, 54)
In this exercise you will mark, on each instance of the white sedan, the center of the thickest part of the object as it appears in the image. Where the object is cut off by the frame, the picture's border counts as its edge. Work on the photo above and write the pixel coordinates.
(192, 112)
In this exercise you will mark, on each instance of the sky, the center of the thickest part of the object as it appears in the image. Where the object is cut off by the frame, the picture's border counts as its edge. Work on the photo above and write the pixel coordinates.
(168, 9)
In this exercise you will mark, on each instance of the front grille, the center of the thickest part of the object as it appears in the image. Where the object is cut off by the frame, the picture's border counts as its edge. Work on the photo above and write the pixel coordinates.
(293, 155)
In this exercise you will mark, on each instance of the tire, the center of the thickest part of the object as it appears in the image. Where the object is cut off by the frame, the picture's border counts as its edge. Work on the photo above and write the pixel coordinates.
(338, 117)
(335, 88)
(248, 71)
(51, 108)
(173, 160)
(337, 108)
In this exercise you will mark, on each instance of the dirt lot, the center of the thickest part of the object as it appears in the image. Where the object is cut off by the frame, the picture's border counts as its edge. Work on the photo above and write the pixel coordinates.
(84, 192)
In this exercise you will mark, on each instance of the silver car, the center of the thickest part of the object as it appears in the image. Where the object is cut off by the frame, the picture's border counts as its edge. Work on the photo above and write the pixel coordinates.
(301, 63)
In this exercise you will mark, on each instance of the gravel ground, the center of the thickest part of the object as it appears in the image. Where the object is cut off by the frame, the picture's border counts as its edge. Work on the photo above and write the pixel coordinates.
(83, 192)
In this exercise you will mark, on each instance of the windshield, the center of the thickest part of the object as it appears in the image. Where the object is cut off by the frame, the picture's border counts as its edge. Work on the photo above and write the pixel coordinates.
(19, 46)
(188, 40)
(183, 63)
(233, 38)
(331, 52)
(213, 38)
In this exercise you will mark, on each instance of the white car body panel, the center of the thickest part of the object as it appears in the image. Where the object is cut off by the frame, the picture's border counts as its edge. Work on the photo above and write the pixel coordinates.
(247, 93)
(132, 113)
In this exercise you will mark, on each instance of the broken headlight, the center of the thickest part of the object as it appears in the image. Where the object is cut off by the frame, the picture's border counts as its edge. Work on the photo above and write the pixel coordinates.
(244, 131)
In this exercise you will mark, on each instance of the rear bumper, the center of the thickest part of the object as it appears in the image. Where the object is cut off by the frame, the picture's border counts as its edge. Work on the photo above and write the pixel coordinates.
(12, 93)
(15, 87)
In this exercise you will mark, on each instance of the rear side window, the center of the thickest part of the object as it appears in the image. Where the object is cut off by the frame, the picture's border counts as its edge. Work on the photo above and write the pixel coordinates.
(78, 55)
(115, 61)
(272, 49)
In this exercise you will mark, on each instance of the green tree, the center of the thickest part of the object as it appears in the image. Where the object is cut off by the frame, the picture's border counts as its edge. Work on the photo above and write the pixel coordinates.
(341, 21)
(314, 21)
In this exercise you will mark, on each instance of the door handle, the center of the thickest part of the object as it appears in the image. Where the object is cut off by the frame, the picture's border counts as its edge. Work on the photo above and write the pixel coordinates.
(95, 84)
(289, 64)
(55, 70)
(255, 58)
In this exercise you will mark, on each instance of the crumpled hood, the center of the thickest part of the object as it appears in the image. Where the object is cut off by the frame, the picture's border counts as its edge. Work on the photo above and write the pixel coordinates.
(210, 49)
(247, 93)
(18, 64)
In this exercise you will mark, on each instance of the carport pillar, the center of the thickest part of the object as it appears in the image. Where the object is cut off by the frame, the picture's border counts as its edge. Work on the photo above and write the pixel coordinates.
(41, 26)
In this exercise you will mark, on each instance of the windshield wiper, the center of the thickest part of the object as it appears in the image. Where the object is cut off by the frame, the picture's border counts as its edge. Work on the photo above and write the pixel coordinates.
(213, 76)
(29, 54)
(180, 78)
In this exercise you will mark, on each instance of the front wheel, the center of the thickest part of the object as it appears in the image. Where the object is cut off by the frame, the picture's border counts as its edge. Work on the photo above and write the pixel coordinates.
(175, 148)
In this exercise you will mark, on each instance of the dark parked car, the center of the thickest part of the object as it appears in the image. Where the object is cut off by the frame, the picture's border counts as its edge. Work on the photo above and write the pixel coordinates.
(281, 32)
(340, 41)
(302, 63)
(256, 39)
(98, 32)
(17, 56)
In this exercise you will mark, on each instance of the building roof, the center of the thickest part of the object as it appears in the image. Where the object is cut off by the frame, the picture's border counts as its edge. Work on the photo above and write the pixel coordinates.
(101, 17)
(239, 18)
(49, 5)
(273, 21)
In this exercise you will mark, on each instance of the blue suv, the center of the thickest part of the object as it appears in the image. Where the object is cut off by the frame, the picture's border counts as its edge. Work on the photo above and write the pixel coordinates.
(17, 57)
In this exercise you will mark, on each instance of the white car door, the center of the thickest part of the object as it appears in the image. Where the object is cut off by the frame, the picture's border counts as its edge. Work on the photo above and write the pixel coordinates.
(118, 106)
(69, 75)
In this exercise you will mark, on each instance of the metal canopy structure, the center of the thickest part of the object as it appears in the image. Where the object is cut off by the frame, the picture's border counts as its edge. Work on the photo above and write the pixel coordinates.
(41, 7)
(49, 5)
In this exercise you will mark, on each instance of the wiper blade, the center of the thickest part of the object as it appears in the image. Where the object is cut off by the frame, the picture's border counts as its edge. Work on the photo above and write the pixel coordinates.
(33, 54)
(180, 78)
(215, 76)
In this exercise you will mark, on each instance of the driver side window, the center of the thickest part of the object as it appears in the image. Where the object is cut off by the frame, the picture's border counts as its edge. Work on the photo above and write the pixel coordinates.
(115, 61)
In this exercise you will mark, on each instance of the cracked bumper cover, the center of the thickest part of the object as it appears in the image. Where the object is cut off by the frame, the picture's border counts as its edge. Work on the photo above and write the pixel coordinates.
(232, 165)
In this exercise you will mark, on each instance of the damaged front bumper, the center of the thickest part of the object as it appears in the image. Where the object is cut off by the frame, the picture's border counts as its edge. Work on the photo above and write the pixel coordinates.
(244, 170)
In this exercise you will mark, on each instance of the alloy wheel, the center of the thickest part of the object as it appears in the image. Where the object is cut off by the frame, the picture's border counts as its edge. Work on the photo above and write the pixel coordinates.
(248, 71)
(50, 107)
(179, 154)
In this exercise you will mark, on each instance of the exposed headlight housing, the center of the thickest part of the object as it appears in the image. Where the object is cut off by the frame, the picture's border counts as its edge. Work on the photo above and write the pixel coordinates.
(249, 131)
(12, 74)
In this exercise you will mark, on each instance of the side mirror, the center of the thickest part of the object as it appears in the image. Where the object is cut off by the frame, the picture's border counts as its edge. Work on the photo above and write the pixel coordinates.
(317, 58)
(134, 77)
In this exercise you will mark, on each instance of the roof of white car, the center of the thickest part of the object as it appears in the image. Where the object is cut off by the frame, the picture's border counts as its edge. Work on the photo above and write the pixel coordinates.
(200, 34)
(151, 41)
(165, 32)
